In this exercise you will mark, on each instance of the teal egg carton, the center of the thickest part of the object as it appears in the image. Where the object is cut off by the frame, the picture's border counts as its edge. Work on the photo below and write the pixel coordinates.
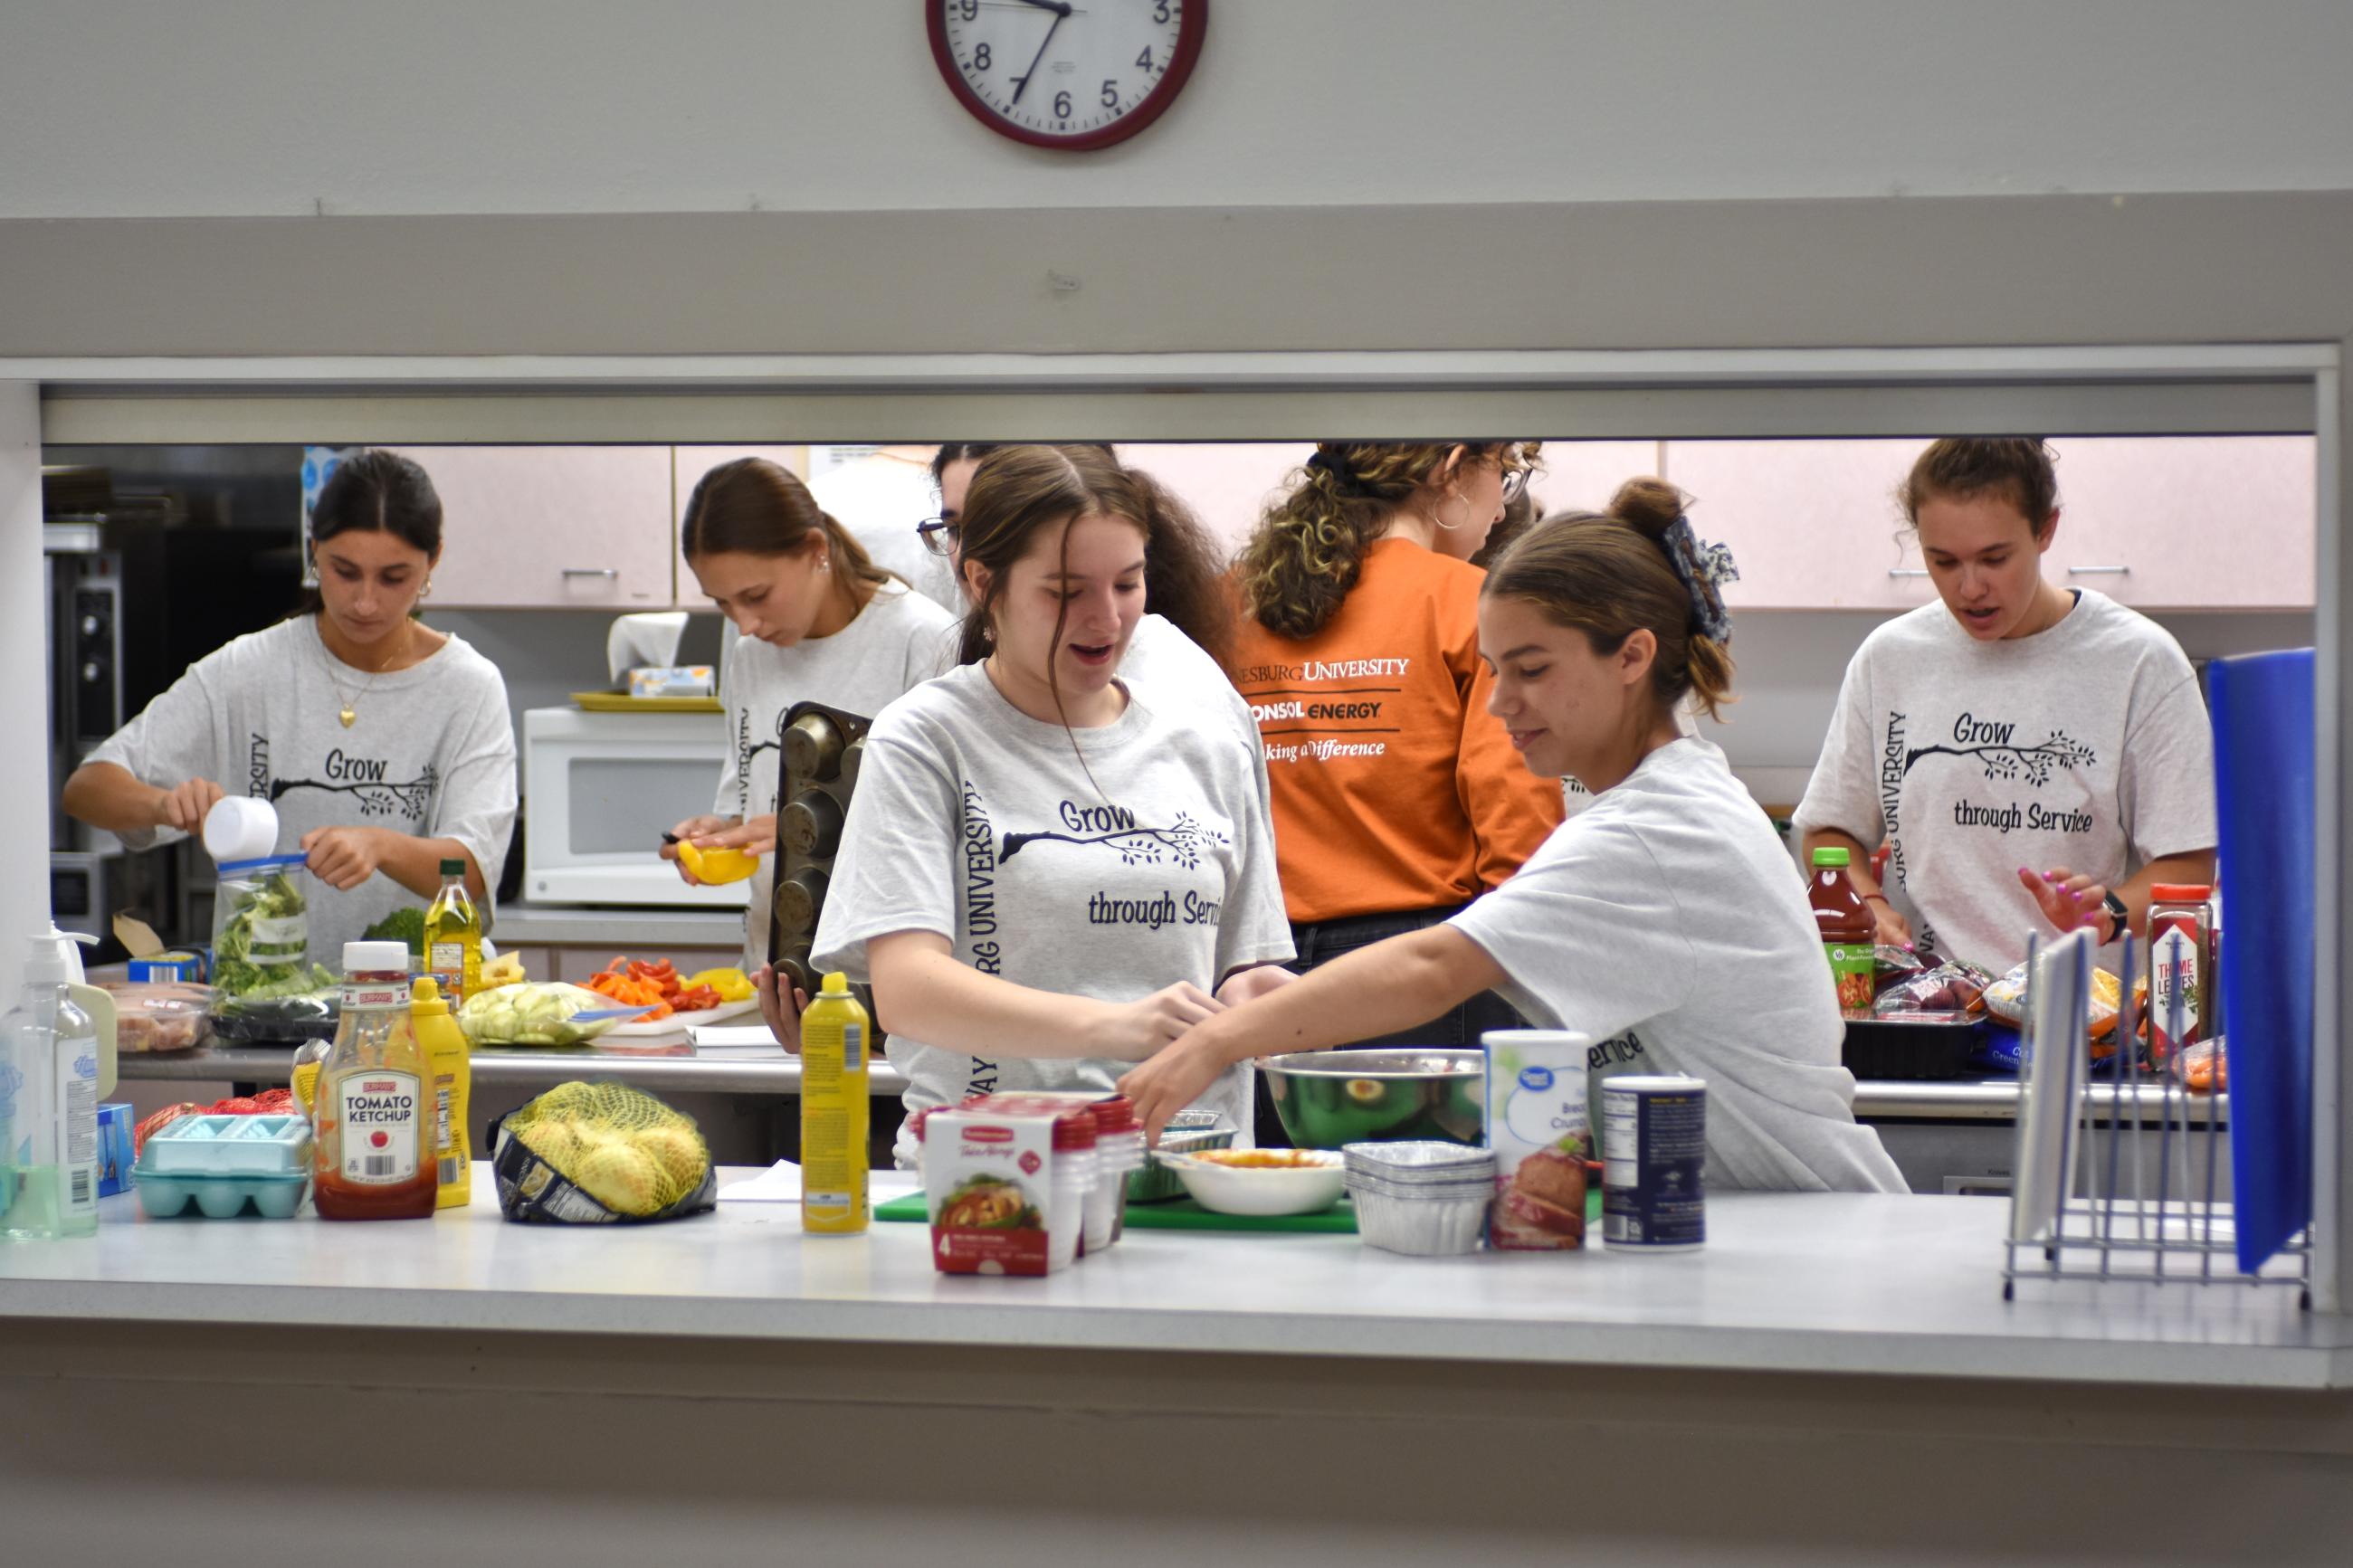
(221, 1165)
(219, 1197)
(228, 1146)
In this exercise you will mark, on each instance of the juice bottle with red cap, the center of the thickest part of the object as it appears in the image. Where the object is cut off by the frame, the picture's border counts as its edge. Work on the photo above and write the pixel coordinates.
(1846, 930)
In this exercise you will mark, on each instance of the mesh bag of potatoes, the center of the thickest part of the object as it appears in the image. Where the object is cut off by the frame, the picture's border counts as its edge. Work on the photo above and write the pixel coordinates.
(601, 1153)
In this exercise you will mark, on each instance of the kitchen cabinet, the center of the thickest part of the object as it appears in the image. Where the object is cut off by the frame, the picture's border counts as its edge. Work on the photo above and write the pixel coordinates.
(2178, 524)
(2207, 523)
(553, 528)
(1813, 525)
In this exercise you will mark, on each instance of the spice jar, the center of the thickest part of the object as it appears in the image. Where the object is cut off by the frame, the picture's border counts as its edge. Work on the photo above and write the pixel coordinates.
(2180, 968)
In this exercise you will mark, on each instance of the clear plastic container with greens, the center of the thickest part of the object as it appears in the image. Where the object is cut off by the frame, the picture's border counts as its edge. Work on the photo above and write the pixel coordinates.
(265, 988)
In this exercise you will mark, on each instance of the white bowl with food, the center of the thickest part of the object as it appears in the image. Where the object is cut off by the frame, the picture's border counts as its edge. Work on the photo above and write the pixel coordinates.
(1260, 1183)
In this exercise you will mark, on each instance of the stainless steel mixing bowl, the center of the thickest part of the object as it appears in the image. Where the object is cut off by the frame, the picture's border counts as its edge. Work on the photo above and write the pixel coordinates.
(1327, 1098)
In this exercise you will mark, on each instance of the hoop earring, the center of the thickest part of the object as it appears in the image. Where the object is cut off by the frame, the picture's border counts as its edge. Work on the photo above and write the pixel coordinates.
(426, 591)
(1439, 517)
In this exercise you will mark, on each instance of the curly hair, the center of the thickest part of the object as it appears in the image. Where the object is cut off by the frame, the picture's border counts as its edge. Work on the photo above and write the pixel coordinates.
(1309, 548)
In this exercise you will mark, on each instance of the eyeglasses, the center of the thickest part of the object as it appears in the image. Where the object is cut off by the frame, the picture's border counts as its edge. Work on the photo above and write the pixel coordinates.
(938, 535)
(1515, 484)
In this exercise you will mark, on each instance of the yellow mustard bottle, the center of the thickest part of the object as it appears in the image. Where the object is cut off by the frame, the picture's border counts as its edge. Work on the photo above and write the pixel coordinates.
(450, 1059)
(835, 1039)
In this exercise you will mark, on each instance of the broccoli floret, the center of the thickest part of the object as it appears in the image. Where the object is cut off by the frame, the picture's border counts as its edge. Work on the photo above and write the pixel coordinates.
(402, 925)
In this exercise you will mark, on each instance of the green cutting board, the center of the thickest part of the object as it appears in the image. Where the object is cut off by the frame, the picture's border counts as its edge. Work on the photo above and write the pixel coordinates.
(1182, 1215)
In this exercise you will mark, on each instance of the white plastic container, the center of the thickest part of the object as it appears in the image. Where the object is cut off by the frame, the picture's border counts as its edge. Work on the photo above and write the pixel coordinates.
(241, 827)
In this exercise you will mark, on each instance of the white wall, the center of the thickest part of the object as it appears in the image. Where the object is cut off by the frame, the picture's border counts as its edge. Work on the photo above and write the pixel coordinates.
(257, 107)
(23, 647)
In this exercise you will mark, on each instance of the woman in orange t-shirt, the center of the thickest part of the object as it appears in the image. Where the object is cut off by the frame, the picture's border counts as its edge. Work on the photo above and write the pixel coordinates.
(1396, 798)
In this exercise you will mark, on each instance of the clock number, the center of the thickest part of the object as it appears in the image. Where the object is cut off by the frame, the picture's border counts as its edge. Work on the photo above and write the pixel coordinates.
(1061, 106)
(980, 57)
(1143, 60)
(971, 10)
(1110, 94)
(1160, 11)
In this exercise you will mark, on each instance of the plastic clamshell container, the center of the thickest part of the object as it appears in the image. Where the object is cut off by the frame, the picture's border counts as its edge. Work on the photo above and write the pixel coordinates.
(219, 1197)
(228, 1146)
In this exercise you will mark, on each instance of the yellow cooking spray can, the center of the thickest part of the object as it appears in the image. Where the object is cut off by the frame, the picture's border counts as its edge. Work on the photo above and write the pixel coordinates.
(835, 1039)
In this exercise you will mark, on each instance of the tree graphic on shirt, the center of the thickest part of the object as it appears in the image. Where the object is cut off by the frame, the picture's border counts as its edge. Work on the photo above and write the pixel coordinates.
(2036, 764)
(412, 800)
(1185, 843)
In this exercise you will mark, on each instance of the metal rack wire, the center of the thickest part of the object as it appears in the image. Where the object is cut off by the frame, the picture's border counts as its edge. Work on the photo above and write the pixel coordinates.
(2133, 1223)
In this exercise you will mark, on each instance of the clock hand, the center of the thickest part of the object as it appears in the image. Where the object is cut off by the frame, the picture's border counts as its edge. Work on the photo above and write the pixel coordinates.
(1061, 9)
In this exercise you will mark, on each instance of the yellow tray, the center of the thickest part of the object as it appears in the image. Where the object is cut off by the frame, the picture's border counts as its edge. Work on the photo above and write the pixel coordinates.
(622, 702)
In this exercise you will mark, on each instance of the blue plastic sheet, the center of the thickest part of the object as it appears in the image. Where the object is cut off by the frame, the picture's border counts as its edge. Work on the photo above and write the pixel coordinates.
(2262, 709)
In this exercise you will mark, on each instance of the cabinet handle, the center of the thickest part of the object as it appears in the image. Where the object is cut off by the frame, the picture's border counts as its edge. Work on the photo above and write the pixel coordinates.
(1908, 571)
(2098, 571)
(611, 574)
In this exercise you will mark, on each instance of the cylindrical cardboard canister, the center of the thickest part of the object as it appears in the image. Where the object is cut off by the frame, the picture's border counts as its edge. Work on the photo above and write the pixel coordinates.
(1653, 1151)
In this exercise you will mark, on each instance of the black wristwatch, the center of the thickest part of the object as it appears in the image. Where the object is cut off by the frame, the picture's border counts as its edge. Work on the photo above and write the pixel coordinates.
(2121, 916)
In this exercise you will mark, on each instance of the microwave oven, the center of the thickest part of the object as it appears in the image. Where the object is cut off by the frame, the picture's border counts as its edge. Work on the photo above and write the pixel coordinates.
(600, 790)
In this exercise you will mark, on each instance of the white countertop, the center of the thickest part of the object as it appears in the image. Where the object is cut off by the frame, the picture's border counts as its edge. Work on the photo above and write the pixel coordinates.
(1800, 1283)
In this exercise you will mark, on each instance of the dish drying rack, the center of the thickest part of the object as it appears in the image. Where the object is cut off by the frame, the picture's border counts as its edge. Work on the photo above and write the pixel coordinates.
(2147, 1211)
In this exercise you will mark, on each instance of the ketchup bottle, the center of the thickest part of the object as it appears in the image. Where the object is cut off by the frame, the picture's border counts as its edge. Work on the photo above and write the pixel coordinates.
(371, 1113)
(1847, 929)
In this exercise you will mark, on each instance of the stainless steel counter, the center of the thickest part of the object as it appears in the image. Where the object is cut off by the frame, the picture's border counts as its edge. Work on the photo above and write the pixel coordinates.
(588, 925)
(668, 1064)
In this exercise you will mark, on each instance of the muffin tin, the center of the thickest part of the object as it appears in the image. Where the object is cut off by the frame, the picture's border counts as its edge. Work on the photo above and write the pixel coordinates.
(822, 747)
(221, 1164)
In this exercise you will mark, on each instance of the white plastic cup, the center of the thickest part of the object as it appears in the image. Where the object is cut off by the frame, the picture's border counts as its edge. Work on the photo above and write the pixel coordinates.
(241, 827)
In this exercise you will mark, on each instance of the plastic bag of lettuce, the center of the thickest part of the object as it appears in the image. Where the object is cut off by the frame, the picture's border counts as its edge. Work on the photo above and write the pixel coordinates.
(265, 988)
(533, 1014)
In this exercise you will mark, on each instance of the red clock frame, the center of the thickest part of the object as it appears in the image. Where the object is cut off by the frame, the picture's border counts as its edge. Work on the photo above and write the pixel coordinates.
(1193, 27)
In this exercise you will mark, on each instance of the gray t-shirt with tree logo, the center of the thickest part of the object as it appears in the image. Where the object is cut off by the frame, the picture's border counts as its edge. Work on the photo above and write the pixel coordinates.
(1145, 865)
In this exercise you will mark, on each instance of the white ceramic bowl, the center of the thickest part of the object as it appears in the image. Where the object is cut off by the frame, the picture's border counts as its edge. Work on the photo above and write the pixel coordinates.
(1308, 1188)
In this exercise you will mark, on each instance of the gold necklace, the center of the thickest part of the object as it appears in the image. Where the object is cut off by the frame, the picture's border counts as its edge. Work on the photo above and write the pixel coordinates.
(349, 713)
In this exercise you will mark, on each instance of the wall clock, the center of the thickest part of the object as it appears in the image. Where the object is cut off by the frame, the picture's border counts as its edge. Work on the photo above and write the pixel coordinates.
(1071, 74)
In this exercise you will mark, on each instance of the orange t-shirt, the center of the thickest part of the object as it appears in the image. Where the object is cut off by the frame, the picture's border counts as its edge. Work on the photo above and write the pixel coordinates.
(1393, 788)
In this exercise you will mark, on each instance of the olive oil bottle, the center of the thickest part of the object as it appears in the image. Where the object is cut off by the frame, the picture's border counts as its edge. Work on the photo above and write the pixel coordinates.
(453, 936)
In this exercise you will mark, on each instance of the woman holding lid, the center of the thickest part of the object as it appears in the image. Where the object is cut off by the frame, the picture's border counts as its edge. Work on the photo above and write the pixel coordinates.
(384, 745)
(1397, 800)
(816, 621)
(1045, 874)
(2033, 755)
(1663, 921)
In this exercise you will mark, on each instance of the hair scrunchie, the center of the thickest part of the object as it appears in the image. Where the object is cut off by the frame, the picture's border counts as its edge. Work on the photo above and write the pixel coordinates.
(1704, 569)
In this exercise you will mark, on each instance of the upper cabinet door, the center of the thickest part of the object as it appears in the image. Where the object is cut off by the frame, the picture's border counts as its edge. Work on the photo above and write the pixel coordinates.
(553, 527)
(1813, 525)
(2188, 523)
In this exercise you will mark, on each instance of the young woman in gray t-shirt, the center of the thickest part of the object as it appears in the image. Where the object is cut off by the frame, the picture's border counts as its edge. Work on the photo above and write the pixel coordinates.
(2032, 756)
(384, 745)
(1045, 874)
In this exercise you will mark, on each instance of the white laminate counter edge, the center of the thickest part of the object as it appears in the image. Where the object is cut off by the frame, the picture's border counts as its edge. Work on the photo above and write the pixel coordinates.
(1865, 1286)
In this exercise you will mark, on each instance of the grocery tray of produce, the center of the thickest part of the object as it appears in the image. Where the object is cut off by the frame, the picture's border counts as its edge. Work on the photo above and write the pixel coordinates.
(1340, 1219)
(1912, 1046)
